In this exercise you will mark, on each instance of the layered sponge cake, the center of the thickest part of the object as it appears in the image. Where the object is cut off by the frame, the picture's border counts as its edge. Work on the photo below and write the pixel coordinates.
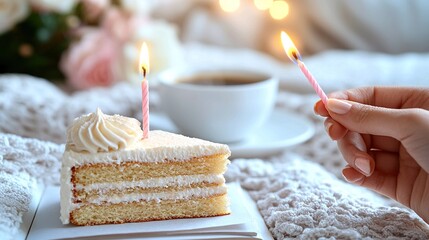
(111, 175)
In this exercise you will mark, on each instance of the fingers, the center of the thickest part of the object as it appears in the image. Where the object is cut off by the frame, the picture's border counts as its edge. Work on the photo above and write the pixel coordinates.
(385, 143)
(378, 181)
(320, 109)
(353, 176)
(384, 177)
(335, 130)
(388, 97)
(368, 119)
(370, 123)
(354, 150)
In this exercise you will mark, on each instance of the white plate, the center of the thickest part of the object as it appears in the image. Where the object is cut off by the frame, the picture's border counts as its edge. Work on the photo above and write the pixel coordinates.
(241, 223)
(283, 129)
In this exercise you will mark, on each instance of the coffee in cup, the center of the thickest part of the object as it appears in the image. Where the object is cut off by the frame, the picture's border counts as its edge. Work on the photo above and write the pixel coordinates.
(218, 105)
(216, 79)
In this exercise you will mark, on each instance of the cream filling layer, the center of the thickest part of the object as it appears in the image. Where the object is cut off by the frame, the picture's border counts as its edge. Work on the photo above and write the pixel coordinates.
(178, 181)
(179, 195)
(66, 190)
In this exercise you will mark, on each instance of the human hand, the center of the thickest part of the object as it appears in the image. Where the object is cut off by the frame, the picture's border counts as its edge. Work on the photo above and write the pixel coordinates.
(383, 134)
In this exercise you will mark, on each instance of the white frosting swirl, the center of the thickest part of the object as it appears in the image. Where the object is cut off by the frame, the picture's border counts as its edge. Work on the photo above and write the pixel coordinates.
(97, 132)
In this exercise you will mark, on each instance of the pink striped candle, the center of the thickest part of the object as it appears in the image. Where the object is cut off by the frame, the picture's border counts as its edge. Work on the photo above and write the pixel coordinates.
(145, 108)
(313, 82)
(293, 54)
(144, 64)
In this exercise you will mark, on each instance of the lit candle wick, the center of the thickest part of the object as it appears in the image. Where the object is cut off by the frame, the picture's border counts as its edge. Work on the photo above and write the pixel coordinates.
(144, 72)
(293, 54)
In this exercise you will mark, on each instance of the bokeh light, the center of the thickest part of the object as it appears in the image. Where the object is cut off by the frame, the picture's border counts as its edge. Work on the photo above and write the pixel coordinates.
(279, 9)
(263, 4)
(229, 5)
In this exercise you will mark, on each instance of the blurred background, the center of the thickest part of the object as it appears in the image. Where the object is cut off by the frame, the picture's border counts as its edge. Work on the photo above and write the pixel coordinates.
(315, 25)
(87, 43)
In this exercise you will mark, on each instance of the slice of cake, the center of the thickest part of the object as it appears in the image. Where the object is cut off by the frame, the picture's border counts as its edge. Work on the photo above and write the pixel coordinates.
(111, 175)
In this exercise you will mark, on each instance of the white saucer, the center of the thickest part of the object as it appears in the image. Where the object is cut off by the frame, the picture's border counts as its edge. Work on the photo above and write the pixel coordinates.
(283, 129)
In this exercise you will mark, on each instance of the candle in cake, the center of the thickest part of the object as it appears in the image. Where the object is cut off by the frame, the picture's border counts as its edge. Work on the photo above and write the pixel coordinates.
(293, 53)
(144, 66)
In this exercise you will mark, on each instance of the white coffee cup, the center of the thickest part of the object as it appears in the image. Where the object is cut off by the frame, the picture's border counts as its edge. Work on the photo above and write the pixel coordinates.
(219, 113)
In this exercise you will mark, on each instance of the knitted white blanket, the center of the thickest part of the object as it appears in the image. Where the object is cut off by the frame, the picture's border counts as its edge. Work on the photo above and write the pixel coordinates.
(298, 193)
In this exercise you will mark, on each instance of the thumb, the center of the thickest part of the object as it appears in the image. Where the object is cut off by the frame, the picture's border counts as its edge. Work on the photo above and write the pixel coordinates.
(369, 119)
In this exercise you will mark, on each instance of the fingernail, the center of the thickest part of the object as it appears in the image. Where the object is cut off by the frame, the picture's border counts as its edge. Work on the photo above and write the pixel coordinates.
(338, 106)
(315, 110)
(342, 172)
(363, 165)
(350, 179)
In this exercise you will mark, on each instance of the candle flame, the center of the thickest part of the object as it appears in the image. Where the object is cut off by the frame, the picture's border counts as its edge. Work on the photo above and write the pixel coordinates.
(144, 60)
(290, 49)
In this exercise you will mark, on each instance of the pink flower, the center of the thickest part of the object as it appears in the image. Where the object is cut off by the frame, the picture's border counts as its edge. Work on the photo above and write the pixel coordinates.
(91, 61)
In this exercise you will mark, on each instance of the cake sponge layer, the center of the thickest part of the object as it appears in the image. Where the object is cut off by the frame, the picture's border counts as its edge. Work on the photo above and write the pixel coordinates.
(93, 214)
(135, 171)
